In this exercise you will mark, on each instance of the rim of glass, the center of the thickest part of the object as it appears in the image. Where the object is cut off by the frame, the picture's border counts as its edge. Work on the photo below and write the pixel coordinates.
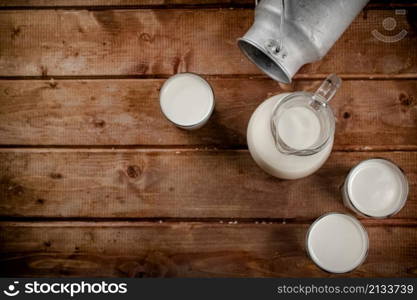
(404, 181)
(366, 236)
(207, 114)
(303, 152)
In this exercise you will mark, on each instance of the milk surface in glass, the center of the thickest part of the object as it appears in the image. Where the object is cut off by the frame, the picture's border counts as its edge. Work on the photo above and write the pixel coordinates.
(187, 100)
(337, 242)
(376, 188)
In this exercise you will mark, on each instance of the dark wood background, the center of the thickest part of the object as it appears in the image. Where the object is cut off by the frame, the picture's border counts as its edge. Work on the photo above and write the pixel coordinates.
(95, 182)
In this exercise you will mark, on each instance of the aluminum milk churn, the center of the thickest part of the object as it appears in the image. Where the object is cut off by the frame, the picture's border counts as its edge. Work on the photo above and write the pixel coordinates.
(287, 34)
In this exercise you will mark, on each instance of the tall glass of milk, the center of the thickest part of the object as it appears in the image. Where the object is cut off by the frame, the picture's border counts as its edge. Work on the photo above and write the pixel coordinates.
(291, 135)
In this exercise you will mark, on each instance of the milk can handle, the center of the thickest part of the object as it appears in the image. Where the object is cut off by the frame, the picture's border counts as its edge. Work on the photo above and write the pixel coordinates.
(276, 46)
(329, 87)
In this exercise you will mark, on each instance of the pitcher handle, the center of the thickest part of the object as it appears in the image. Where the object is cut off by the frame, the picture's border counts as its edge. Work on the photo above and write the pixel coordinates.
(329, 87)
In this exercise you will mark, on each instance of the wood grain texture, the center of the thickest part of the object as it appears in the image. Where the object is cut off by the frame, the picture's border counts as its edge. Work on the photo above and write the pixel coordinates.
(188, 250)
(160, 172)
(173, 184)
(124, 3)
(127, 112)
(92, 3)
(168, 3)
(164, 42)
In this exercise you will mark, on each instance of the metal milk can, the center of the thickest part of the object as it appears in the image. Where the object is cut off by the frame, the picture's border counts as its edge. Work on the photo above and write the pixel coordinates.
(287, 34)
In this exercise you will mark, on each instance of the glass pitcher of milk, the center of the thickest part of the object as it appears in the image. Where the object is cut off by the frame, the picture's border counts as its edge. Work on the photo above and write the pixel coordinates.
(291, 135)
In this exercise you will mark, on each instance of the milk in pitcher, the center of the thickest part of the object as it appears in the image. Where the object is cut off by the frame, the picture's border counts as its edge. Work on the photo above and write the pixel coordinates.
(291, 135)
(264, 151)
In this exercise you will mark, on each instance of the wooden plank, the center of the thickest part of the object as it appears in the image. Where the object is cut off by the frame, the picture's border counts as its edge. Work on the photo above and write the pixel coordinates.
(126, 112)
(124, 3)
(163, 42)
(173, 184)
(93, 3)
(188, 250)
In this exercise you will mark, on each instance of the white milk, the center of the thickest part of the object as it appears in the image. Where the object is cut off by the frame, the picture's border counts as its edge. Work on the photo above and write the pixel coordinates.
(376, 187)
(187, 100)
(298, 130)
(299, 127)
(337, 243)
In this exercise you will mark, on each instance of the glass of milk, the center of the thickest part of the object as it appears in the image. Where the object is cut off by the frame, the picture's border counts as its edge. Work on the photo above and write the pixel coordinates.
(375, 188)
(337, 243)
(187, 100)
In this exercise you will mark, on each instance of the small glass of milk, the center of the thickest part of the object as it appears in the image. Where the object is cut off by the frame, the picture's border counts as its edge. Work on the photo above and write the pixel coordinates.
(187, 100)
(337, 243)
(375, 188)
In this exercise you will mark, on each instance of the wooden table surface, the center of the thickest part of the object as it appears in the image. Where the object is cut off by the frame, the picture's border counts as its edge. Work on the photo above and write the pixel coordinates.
(95, 182)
